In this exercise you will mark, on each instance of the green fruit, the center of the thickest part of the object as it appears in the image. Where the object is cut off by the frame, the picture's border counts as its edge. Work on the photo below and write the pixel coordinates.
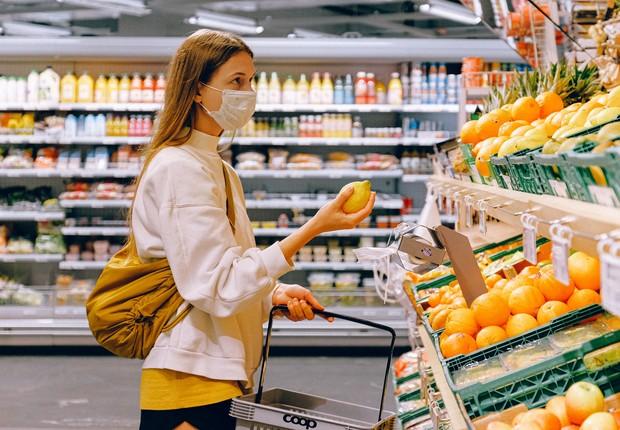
(359, 198)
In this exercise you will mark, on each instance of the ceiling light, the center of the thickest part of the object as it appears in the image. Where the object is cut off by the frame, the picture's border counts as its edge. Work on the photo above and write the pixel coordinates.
(126, 7)
(458, 13)
(18, 28)
(309, 34)
(235, 24)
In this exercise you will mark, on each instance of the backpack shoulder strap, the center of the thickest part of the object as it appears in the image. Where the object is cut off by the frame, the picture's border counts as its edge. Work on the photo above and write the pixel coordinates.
(230, 202)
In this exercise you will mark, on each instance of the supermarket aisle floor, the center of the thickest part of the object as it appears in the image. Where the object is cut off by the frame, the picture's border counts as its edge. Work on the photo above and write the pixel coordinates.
(102, 392)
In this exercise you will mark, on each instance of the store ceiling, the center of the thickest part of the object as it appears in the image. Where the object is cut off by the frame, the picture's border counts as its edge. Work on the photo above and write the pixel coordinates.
(276, 18)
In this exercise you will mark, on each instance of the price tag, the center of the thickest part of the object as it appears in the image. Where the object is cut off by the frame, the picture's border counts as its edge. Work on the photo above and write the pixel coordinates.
(529, 237)
(458, 213)
(561, 237)
(449, 206)
(559, 188)
(604, 196)
(475, 174)
(441, 203)
(469, 218)
(609, 252)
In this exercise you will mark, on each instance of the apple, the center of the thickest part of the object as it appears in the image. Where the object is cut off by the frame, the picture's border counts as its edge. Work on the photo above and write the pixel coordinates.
(599, 421)
(557, 406)
(497, 425)
(582, 400)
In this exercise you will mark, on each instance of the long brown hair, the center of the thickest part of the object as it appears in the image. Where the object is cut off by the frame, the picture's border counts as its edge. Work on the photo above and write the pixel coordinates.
(196, 60)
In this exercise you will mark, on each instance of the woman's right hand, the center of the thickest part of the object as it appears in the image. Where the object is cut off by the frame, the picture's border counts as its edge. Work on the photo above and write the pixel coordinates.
(331, 217)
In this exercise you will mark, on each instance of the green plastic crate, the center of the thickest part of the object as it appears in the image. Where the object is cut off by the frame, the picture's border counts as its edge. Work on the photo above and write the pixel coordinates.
(560, 323)
(411, 417)
(523, 171)
(500, 169)
(535, 385)
(580, 169)
(470, 160)
(549, 174)
(576, 188)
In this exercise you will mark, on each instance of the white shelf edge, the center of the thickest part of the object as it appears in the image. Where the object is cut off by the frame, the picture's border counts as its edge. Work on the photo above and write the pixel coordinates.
(409, 178)
(96, 204)
(30, 258)
(24, 139)
(95, 231)
(324, 173)
(31, 215)
(77, 173)
(358, 232)
(82, 265)
(312, 204)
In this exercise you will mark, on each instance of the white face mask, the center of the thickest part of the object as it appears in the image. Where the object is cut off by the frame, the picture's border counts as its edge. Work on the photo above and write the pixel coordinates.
(236, 110)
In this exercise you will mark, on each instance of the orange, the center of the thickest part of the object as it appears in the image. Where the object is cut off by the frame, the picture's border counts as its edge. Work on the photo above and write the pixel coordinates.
(528, 426)
(525, 109)
(585, 271)
(550, 311)
(526, 300)
(462, 321)
(544, 252)
(488, 126)
(583, 298)
(520, 323)
(499, 285)
(503, 115)
(491, 280)
(498, 425)
(440, 319)
(517, 419)
(557, 406)
(529, 271)
(490, 335)
(482, 160)
(550, 287)
(434, 299)
(490, 309)
(456, 344)
(549, 103)
(512, 285)
(546, 420)
(508, 127)
(459, 302)
(469, 133)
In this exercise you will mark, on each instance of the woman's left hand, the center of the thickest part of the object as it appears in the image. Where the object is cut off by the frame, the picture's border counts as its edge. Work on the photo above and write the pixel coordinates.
(299, 300)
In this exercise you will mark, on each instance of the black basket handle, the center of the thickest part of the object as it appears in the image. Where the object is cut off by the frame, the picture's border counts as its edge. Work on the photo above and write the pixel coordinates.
(326, 314)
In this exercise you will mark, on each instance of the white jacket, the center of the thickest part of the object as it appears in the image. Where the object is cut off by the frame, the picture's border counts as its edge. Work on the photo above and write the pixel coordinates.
(180, 214)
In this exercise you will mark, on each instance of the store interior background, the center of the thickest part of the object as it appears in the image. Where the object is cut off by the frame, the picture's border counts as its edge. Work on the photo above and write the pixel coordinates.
(59, 378)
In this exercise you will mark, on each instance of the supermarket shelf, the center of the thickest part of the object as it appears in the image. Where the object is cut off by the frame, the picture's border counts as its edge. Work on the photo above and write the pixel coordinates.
(337, 141)
(477, 93)
(82, 265)
(95, 231)
(110, 107)
(54, 140)
(312, 204)
(66, 325)
(30, 258)
(415, 178)
(77, 173)
(95, 204)
(588, 221)
(324, 173)
(331, 266)
(357, 232)
(10, 215)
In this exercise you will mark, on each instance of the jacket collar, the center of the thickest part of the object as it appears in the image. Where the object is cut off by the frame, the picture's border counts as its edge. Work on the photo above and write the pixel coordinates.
(202, 143)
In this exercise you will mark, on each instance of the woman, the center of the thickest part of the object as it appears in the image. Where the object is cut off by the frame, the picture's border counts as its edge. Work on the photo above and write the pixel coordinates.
(190, 209)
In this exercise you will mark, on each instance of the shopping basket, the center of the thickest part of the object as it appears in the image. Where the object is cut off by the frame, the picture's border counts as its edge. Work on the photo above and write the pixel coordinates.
(277, 408)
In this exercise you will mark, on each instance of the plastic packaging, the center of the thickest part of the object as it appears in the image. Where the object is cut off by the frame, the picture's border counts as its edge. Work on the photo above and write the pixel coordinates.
(275, 90)
(49, 86)
(33, 87)
(101, 88)
(316, 91)
(68, 90)
(148, 89)
(124, 88)
(160, 88)
(112, 90)
(327, 89)
(85, 89)
(135, 91)
(303, 91)
(262, 90)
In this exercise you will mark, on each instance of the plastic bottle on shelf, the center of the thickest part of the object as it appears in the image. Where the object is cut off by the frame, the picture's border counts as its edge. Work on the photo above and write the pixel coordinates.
(302, 126)
(68, 88)
(303, 91)
(371, 94)
(116, 126)
(357, 130)
(90, 129)
(327, 89)
(339, 91)
(100, 125)
(160, 88)
(70, 126)
(33, 87)
(360, 88)
(11, 89)
(406, 89)
(262, 89)
(124, 126)
(81, 125)
(275, 89)
(22, 90)
(111, 92)
(318, 126)
(294, 126)
(381, 93)
(289, 91)
(131, 126)
(316, 89)
(147, 125)
(49, 86)
(395, 90)
(349, 94)
(85, 93)
(124, 88)
(3, 95)
(135, 91)
(101, 89)
(148, 89)
(425, 92)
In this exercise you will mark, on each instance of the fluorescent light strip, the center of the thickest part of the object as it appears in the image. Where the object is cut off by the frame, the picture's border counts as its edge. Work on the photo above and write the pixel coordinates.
(17, 28)
(442, 12)
(204, 21)
(133, 8)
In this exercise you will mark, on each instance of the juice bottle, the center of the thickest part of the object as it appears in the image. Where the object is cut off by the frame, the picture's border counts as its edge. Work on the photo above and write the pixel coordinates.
(33, 87)
(109, 125)
(327, 90)
(49, 86)
(3, 95)
(101, 88)
(371, 95)
(160, 88)
(131, 128)
(275, 90)
(339, 92)
(135, 91)
(147, 125)
(303, 91)
(315, 89)
(349, 97)
(289, 91)
(360, 88)
(68, 88)
(112, 90)
(124, 126)
(381, 93)
(124, 87)
(262, 89)
(139, 122)
(21, 90)
(395, 90)
(148, 89)
(116, 126)
(85, 89)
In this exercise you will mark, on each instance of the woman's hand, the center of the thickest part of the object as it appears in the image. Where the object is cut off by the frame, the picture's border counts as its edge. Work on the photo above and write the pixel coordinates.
(331, 217)
(299, 300)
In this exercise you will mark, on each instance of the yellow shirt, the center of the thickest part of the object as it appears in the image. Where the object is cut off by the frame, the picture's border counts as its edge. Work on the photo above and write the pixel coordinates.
(163, 389)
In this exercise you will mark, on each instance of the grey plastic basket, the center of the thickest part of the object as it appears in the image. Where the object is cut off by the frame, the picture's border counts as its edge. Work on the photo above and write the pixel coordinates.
(277, 409)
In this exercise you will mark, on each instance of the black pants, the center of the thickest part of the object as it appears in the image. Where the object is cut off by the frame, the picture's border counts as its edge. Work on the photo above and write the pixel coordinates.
(209, 417)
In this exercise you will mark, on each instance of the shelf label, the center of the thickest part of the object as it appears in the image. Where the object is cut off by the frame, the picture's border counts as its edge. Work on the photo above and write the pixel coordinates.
(609, 252)
(529, 237)
(482, 224)
(559, 188)
(475, 174)
(561, 238)
(604, 196)
(469, 218)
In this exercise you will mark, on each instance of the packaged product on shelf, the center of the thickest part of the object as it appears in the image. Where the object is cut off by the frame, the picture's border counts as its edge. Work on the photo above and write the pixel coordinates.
(49, 240)
(304, 161)
(135, 90)
(21, 90)
(371, 91)
(46, 158)
(68, 88)
(327, 89)
(490, 368)
(302, 95)
(109, 191)
(395, 90)
(101, 88)
(33, 87)
(316, 90)
(289, 91)
(15, 293)
(4, 239)
(374, 161)
(19, 245)
(160, 88)
(349, 91)
(339, 91)
(275, 89)
(17, 158)
(86, 89)
(277, 159)
(361, 88)
(72, 292)
(340, 160)
(148, 89)
(112, 90)
(262, 89)
(49, 86)
(250, 161)
(347, 281)
(124, 89)
(319, 281)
